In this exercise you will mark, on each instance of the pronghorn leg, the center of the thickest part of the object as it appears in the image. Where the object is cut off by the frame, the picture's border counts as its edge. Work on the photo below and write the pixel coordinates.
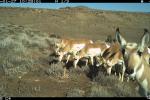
(128, 79)
(123, 71)
(86, 62)
(68, 57)
(60, 57)
(92, 60)
(115, 74)
(99, 61)
(119, 76)
(75, 63)
(109, 70)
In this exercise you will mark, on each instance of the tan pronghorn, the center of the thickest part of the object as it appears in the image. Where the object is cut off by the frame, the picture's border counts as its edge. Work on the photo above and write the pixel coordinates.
(137, 65)
(113, 56)
(72, 46)
(91, 50)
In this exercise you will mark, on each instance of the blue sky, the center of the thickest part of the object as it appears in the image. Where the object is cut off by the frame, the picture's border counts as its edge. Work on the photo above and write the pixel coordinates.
(132, 7)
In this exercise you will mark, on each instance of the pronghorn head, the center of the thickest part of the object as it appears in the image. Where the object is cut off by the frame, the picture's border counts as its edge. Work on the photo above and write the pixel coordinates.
(133, 57)
(58, 43)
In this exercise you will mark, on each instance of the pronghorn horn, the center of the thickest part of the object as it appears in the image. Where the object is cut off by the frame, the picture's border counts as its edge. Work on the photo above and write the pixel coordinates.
(119, 38)
(144, 41)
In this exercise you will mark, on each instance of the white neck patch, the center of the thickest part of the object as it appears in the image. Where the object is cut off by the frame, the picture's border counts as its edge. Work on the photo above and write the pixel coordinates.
(148, 49)
(140, 72)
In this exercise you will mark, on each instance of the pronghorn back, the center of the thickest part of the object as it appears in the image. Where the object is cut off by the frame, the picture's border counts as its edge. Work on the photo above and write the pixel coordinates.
(76, 44)
(90, 51)
(67, 43)
(95, 46)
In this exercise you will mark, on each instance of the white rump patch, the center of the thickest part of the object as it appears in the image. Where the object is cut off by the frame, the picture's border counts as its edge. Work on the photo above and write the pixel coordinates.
(94, 51)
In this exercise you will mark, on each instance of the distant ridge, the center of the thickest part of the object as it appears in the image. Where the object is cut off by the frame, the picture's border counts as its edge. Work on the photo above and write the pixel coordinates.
(77, 8)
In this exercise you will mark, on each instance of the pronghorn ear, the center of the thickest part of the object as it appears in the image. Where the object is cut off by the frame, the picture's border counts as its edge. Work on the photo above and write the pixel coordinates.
(144, 41)
(119, 38)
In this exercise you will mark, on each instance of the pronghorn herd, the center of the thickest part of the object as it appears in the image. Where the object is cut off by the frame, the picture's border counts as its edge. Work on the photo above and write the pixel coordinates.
(133, 58)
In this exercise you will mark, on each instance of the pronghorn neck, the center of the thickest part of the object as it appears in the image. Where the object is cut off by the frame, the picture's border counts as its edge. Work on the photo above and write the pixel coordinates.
(139, 71)
(148, 49)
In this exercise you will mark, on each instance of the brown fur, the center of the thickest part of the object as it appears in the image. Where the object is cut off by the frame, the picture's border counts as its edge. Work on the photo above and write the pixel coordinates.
(84, 52)
(136, 60)
(113, 56)
(68, 46)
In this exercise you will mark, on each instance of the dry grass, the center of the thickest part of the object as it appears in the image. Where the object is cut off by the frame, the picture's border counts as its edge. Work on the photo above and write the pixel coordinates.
(16, 42)
(55, 70)
(23, 49)
(105, 85)
(76, 92)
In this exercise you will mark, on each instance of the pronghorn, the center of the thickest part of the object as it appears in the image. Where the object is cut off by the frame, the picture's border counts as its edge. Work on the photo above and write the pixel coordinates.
(91, 50)
(113, 56)
(72, 46)
(61, 44)
(136, 65)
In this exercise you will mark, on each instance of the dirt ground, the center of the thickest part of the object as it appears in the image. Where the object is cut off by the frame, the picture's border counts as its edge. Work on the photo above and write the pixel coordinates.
(72, 23)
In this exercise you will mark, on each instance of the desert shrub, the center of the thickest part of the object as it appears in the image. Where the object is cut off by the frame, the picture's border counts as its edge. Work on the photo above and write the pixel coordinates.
(13, 57)
(104, 79)
(76, 92)
(3, 89)
(16, 45)
(105, 85)
(99, 91)
(55, 70)
(125, 90)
